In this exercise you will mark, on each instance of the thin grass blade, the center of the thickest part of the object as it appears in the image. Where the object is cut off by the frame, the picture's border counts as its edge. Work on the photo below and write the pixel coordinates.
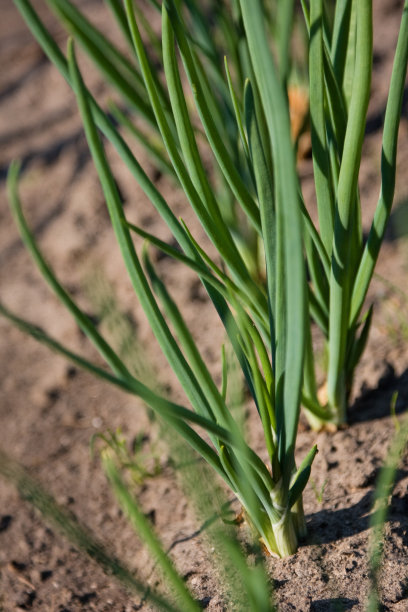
(384, 486)
(142, 527)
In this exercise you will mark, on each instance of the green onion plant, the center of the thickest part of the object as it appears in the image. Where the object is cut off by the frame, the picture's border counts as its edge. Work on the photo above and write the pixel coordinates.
(340, 263)
(267, 323)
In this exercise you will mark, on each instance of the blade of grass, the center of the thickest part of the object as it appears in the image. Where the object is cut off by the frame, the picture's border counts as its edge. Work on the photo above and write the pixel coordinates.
(247, 587)
(143, 528)
(383, 490)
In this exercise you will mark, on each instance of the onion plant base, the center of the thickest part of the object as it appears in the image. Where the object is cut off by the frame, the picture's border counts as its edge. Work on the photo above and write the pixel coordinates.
(281, 539)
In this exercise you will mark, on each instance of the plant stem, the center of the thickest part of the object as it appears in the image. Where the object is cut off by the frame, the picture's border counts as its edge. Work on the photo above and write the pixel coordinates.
(339, 281)
(285, 535)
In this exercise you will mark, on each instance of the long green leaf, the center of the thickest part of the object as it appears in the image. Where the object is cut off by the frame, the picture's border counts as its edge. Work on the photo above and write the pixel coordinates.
(265, 190)
(223, 417)
(339, 41)
(224, 160)
(285, 19)
(174, 316)
(301, 477)
(156, 153)
(359, 343)
(237, 111)
(193, 160)
(226, 288)
(172, 413)
(290, 373)
(388, 170)
(120, 16)
(134, 268)
(324, 192)
(54, 53)
(217, 230)
(82, 320)
(350, 62)
(340, 281)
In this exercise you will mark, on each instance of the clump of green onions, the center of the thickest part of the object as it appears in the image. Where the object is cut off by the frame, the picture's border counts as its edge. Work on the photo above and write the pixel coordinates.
(268, 324)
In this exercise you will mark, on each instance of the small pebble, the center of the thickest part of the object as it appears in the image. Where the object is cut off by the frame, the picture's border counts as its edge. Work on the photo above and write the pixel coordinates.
(97, 422)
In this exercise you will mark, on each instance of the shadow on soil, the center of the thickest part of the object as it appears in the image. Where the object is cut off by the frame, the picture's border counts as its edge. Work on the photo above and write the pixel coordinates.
(330, 525)
(375, 403)
(339, 604)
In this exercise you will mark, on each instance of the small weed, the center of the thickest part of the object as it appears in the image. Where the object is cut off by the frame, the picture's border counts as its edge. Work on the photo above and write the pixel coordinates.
(319, 492)
(135, 460)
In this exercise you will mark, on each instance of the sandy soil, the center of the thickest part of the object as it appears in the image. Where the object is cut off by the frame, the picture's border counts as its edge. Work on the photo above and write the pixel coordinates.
(50, 410)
